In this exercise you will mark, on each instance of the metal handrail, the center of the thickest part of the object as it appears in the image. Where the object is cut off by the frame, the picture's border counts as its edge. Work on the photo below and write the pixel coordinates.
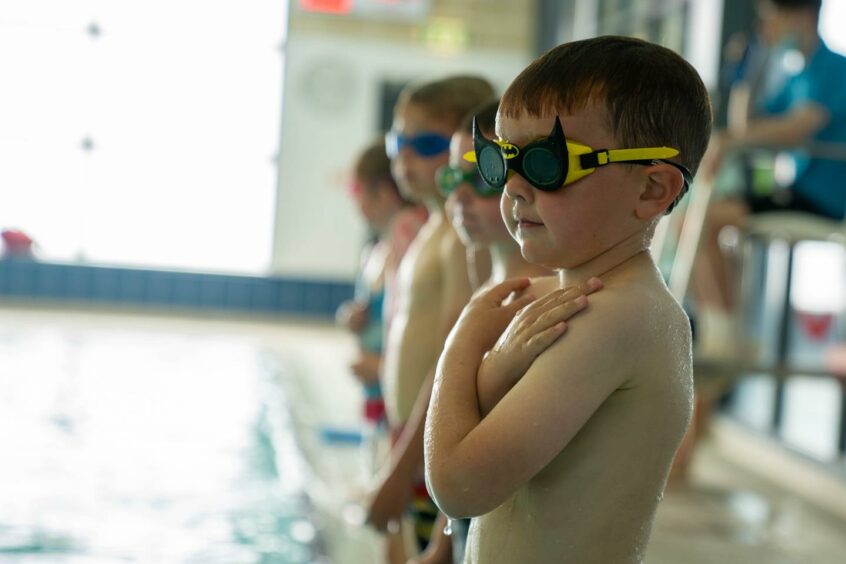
(822, 150)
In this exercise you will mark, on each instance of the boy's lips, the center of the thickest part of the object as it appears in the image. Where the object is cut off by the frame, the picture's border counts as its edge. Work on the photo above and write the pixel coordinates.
(525, 223)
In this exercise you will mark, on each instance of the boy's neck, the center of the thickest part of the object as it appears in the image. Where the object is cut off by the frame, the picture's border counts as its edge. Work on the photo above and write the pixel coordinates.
(507, 262)
(607, 261)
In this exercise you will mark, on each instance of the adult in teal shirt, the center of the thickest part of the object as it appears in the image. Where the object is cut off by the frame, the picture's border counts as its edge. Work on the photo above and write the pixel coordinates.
(816, 86)
(804, 107)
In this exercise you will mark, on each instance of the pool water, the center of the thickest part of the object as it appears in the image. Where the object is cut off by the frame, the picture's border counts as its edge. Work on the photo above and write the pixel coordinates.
(145, 444)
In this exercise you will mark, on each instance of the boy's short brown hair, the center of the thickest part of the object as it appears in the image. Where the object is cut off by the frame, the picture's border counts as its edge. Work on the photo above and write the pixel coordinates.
(449, 99)
(653, 97)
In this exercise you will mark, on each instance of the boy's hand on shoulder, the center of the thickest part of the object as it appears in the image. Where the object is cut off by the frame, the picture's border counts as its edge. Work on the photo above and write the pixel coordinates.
(486, 315)
(531, 331)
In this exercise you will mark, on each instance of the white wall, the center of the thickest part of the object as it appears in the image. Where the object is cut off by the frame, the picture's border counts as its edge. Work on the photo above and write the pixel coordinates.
(330, 111)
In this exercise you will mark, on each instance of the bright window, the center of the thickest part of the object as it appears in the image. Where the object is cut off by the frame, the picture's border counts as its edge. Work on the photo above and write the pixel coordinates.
(142, 132)
(832, 16)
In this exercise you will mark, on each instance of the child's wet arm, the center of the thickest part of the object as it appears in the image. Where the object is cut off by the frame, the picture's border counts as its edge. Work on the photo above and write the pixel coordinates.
(474, 465)
(453, 414)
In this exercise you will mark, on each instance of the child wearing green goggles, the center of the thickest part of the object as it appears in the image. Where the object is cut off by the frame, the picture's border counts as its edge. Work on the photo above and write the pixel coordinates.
(450, 177)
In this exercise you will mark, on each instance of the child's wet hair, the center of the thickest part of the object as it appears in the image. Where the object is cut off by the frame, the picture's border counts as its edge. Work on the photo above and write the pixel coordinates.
(652, 96)
(449, 99)
(485, 119)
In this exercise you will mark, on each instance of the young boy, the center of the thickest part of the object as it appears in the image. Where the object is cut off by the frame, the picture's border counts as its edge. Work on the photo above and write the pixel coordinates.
(433, 287)
(559, 444)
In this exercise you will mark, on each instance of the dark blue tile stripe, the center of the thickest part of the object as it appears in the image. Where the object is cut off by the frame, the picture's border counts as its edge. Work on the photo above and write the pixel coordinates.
(183, 290)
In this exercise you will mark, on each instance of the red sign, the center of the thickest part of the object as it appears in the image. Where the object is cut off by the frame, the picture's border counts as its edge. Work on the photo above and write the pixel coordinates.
(327, 6)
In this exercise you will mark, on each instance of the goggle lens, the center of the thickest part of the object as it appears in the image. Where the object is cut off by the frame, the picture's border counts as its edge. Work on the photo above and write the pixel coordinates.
(542, 168)
(450, 178)
(492, 166)
(425, 144)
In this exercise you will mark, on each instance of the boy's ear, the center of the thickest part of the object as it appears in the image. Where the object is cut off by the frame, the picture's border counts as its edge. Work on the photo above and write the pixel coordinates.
(663, 185)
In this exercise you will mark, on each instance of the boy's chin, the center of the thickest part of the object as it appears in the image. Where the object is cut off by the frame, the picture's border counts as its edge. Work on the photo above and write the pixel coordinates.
(536, 256)
(546, 259)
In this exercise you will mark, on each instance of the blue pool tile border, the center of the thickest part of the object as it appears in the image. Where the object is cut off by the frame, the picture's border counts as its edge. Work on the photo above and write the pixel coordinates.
(37, 281)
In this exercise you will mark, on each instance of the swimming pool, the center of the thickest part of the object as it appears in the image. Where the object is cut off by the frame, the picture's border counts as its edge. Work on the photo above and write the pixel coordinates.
(143, 442)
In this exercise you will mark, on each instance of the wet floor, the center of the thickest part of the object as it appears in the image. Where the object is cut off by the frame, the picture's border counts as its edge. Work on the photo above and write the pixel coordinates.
(730, 516)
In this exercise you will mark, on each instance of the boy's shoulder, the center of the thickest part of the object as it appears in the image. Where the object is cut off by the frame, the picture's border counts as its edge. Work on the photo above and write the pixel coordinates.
(632, 297)
(616, 343)
(631, 322)
(405, 225)
(424, 247)
(642, 306)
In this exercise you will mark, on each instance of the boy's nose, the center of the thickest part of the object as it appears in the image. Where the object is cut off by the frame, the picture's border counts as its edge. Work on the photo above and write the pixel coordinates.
(517, 188)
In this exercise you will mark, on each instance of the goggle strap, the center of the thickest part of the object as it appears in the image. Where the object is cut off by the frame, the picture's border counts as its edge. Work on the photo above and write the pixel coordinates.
(603, 157)
(686, 175)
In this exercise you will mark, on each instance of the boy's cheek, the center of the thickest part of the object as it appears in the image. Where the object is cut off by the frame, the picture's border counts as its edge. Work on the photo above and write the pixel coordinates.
(505, 213)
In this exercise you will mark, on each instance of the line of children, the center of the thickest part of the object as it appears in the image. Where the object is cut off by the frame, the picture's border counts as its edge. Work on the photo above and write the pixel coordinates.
(551, 422)
(393, 222)
(475, 211)
(433, 287)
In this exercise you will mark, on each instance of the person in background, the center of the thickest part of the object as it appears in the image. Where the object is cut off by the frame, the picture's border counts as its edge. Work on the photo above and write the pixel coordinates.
(803, 102)
(791, 97)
